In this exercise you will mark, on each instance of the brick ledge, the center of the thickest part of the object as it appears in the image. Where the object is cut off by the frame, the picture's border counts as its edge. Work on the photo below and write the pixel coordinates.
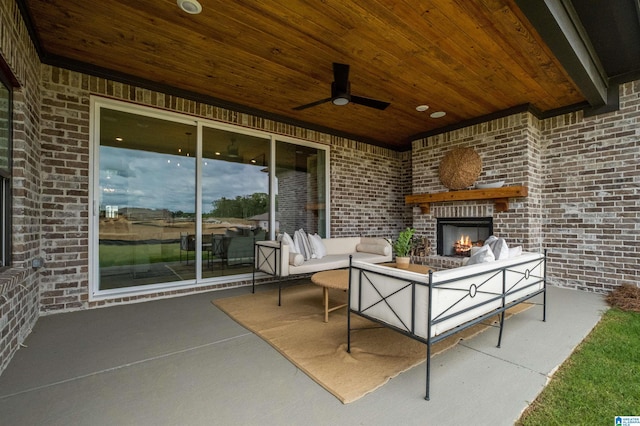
(11, 278)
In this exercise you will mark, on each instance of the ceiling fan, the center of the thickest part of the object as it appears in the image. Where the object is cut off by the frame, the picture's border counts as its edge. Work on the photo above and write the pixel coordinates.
(341, 92)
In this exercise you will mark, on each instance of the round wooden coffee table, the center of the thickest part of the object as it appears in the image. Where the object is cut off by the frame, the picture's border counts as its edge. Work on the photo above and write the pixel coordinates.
(338, 279)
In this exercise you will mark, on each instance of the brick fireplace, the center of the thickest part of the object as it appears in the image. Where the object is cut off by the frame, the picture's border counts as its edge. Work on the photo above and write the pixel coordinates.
(511, 151)
(511, 225)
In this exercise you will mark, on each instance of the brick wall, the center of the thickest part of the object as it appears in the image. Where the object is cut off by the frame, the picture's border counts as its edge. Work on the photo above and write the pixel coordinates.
(592, 196)
(583, 175)
(364, 180)
(510, 152)
(19, 295)
(291, 204)
(367, 190)
(65, 189)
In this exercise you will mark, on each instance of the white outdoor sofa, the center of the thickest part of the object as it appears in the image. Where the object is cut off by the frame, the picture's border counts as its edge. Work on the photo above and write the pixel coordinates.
(275, 259)
(431, 307)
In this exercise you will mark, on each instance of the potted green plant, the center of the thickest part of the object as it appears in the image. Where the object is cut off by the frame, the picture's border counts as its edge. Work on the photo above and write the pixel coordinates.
(402, 247)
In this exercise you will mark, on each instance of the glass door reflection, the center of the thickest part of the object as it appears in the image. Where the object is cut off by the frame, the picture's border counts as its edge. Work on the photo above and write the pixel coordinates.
(235, 200)
(147, 200)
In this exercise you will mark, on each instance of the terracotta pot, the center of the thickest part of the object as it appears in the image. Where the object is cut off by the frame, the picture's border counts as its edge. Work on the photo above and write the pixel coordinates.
(402, 262)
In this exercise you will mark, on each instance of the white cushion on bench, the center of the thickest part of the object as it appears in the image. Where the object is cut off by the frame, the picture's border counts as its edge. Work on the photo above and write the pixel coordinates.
(342, 245)
(337, 257)
(374, 248)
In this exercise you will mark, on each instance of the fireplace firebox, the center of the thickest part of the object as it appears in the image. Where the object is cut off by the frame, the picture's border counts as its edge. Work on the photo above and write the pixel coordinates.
(456, 236)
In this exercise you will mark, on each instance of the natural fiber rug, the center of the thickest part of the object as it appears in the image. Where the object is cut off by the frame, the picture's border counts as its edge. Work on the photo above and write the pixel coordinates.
(297, 330)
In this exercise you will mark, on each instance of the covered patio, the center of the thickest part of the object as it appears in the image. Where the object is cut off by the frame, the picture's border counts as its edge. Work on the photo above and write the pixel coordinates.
(545, 93)
(183, 361)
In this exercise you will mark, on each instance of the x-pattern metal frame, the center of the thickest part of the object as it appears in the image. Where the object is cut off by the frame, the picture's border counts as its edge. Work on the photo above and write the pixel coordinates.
(264, 257)
(365, 277)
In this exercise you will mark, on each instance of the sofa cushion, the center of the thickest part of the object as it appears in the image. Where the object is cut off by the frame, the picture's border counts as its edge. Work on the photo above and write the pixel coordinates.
(373, 248)
(363, 256)
(482, 255)
(341, 245)
(330, 261)
(296, 259)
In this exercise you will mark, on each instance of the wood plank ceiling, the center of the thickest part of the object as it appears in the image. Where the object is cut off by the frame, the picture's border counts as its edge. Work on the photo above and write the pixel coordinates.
(468, 58)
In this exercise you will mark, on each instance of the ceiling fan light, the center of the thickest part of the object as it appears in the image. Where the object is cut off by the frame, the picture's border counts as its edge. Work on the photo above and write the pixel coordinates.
(190, 6)
(232, 151)
(340, 100)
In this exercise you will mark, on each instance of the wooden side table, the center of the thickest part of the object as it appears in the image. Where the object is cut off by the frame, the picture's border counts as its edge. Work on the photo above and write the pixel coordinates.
(338, 279)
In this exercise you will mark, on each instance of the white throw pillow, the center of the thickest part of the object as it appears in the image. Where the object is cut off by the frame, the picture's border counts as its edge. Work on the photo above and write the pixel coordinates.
(483, 255)
(286, 239)
(490, 240)
(500, 249)
(302, 242)
(515, 251)
(474, 249)
(317, 246)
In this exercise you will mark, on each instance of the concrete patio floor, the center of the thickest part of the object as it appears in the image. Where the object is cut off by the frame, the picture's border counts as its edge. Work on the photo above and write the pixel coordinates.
(182, 361)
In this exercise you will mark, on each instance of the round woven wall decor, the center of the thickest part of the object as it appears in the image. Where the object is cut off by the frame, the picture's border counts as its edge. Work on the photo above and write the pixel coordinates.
(460, 168)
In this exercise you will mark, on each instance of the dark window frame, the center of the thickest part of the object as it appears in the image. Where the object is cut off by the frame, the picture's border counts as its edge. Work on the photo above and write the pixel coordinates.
(6, 175)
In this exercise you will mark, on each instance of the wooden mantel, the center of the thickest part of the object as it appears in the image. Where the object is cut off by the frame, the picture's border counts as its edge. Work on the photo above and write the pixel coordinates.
(500, 197)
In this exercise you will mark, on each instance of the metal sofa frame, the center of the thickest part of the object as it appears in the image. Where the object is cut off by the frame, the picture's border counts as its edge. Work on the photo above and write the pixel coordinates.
(365, 276)
(266, 254)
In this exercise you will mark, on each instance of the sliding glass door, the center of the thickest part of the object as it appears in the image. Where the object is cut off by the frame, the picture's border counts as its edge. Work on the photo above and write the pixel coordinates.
(146, 200)
(235, 199)
(301, 189)
(179, 201)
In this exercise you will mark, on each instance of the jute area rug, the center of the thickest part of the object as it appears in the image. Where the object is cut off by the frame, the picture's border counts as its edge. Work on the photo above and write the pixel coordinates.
(297, 330)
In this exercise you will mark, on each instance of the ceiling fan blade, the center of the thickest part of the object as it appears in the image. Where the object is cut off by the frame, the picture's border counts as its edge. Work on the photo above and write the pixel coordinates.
(312, 104)
(341, 77)
(373, 103)
(341, 92)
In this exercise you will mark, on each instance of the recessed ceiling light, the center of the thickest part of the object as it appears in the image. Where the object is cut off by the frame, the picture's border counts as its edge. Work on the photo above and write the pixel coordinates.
(119, 139)
(438, 114)
(190, 6)
(422, 108)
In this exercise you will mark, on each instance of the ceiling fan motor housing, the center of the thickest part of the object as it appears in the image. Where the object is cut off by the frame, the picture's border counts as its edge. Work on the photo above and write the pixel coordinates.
(341, 92)
(340, 95)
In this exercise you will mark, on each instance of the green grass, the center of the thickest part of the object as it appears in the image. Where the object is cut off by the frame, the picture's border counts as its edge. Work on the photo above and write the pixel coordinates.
(139, 254)
(126, 254)
(601, 379)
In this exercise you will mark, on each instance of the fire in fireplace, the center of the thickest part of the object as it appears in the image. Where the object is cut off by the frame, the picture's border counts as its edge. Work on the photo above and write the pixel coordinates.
(463, 246)
(456, 236)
